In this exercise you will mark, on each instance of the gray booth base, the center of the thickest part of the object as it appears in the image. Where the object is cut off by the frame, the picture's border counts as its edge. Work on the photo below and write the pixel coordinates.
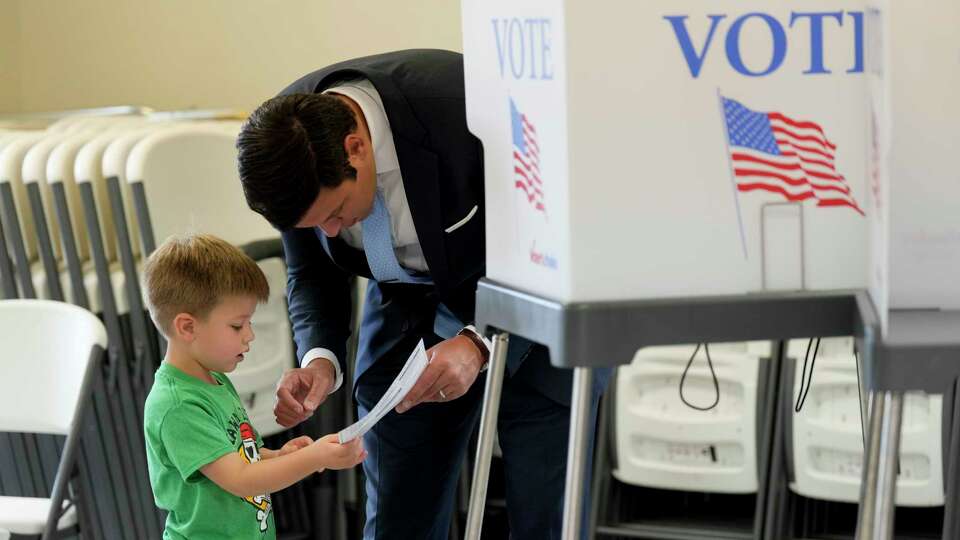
(918, 354)
(921, 351)
(605, 334)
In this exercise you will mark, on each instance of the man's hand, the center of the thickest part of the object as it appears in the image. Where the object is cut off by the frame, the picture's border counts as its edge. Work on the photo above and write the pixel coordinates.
(454, 365)
(295, 444)
(301, 390)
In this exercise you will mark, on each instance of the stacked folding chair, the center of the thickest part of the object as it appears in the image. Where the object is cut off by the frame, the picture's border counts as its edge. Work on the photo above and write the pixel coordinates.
(52, 355)
(683, 436)
(824, 445)
(82, 203)
(30, 460)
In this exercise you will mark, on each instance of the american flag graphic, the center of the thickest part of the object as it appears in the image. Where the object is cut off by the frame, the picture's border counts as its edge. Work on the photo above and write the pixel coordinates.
(775, 153)
(526, 158)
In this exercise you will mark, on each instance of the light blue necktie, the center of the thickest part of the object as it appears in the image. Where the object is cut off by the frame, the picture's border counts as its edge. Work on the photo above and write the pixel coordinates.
(378, 246)
(382, 259)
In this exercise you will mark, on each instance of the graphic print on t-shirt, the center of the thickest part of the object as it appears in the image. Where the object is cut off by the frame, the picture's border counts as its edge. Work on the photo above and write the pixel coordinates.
(250, 454)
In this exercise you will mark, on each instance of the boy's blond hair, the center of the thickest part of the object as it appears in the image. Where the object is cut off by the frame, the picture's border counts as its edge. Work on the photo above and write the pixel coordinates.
(193, 273)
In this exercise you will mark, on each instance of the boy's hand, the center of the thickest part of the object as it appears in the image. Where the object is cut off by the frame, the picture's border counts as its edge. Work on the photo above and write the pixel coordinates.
(295, 444)
(301, 390)
(341, 456)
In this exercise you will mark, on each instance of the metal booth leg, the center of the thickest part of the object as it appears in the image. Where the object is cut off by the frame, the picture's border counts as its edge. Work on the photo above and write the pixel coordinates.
(577, 453)
(878, 489)
(488, 429)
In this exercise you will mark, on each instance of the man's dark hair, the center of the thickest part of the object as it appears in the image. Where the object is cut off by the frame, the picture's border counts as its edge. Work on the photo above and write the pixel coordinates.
(289, 148)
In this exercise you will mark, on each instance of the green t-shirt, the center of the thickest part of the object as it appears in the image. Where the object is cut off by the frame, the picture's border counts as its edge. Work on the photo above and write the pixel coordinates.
(189, 423)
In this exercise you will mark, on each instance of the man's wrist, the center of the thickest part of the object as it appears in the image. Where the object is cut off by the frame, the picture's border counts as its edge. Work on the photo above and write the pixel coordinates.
(326, 368)
(320, 356)
(478, 344)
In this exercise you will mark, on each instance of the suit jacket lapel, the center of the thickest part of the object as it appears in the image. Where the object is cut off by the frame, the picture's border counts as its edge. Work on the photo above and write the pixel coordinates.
(422, 186)
(420, 179)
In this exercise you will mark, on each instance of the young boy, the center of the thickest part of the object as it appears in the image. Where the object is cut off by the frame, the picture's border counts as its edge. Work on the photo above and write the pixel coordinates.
(207, 466)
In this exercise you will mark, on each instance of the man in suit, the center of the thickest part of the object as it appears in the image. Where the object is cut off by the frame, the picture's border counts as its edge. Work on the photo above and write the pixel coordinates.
(368, 169)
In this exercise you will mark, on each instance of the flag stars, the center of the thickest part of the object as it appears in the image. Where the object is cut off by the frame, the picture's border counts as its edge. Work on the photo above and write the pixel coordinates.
(748, 128)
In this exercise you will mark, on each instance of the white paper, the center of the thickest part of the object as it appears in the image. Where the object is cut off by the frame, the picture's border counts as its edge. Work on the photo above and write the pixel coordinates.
(404, 382)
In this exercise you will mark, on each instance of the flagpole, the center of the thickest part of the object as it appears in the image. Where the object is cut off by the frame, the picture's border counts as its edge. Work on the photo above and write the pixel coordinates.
(733, 180)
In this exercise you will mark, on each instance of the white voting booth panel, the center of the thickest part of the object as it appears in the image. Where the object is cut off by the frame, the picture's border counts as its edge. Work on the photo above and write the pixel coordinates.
(670, 148)
(663, 443)
(828, 441)
(877, 172)
(914, 79)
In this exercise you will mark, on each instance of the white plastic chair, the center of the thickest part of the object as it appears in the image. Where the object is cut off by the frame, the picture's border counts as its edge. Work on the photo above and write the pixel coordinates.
(61, 175)
(827, 438)
(44, 163)
(17, 212)
(186, 178)
(114, 165)
(12, 154)
(33, 175)
(663, 443)
(51, 353)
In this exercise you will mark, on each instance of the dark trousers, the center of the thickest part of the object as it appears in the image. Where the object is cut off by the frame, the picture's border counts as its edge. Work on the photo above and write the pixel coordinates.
(414, 458)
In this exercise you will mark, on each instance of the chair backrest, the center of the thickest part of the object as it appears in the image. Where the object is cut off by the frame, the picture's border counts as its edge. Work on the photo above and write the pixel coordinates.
(11, 172)
(826, 439)
(59, 172)
(189, 176)
(78, 160)
(48, 348)
(114, 165)
(88, 169)
(664, 443)
(34, 172)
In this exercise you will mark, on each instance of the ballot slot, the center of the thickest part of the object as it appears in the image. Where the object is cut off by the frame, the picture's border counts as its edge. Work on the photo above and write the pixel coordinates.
(782, 241)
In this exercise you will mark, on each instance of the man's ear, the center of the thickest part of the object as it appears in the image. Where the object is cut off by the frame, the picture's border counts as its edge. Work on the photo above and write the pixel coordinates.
(185, 327)
(356, 148)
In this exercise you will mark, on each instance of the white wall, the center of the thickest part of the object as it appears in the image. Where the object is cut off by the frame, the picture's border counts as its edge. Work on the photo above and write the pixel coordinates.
(176, 54)
(9, 56)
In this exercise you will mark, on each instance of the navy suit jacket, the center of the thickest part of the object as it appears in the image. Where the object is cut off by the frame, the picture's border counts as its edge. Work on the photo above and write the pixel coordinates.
(442, 167)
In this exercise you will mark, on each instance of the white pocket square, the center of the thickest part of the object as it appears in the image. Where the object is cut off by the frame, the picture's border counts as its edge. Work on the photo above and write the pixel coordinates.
(463, 221)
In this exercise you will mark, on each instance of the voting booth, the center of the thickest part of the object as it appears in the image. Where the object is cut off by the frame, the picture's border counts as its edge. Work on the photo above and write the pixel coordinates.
(661, 173)
(675, 172)
(670, 149)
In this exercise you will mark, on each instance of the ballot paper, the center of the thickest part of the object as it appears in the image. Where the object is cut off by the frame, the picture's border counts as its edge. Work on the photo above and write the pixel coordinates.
(404, 382)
